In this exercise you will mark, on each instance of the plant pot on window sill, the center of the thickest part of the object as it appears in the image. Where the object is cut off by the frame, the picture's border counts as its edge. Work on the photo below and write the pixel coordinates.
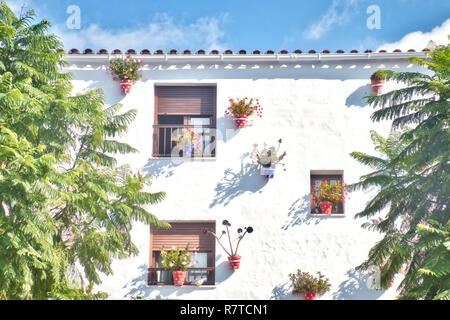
(126, 85)
(268, 171)
(179, 277)
(326, 207)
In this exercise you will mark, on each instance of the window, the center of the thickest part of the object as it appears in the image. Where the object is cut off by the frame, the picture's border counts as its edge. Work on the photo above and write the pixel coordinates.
(331, 176)
(185, 121)
(182, 233)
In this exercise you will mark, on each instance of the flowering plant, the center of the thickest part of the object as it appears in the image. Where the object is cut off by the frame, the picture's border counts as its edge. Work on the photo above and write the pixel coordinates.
(176, 259)
(332, 192)
(305, 282)
(244, 107)
(125, 69)
(268, 156)
(241, 233)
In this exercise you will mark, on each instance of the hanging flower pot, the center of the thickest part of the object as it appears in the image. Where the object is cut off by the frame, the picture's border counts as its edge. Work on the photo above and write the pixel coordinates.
(268, 171)
(377, 80)
(126, 70)
(241, 109)
(235, 262)
(310, 295)
(126, 85)
(179, 277)
(240, 120)
(326, 207)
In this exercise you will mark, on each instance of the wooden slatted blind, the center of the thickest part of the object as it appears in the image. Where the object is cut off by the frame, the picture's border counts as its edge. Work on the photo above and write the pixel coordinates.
(183, 233)
(186, 100)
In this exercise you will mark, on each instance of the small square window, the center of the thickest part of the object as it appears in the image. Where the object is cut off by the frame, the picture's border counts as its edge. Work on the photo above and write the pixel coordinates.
(332, 177)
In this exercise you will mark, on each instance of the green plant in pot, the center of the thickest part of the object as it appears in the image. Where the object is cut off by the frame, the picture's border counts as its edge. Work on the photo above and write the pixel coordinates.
(329, 194)
(126, 70)
(178, 262)
(377, 80)
(309, 285)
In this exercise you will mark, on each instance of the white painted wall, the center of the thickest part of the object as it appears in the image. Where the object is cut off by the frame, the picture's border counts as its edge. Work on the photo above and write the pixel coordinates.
(319, 112)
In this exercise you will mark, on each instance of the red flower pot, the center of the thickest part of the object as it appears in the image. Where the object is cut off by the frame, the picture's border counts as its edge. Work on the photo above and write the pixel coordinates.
(310, 295)
(235, 262)
(240, 120)
(126, 85)
(179, 277)
(377, 86)
(326, 207)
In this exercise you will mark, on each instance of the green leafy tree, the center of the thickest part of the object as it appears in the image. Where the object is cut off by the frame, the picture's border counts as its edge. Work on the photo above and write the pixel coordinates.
(64, 201)
(411, 173)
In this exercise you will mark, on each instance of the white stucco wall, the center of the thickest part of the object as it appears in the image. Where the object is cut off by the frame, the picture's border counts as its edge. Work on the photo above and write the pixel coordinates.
(319, 112)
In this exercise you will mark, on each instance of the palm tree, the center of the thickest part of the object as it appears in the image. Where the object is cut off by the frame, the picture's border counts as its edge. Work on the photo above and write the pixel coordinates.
(412, 175)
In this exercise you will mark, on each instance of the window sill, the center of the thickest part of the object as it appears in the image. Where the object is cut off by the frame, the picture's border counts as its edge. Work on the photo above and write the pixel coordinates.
(171, 286)
(321, 215)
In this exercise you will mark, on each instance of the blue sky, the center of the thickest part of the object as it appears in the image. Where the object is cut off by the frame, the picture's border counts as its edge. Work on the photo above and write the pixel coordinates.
(249, 24)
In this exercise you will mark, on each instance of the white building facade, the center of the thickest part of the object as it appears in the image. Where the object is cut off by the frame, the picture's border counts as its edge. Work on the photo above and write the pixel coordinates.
(314, 102)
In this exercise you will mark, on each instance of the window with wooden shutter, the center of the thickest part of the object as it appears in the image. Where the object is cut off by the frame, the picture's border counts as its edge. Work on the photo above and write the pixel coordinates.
(185, 121)
(331, 176)
(201, 244)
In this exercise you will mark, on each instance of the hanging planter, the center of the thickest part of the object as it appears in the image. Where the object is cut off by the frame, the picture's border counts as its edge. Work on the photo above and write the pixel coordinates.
(126, 85)
(377, 80)
(241, 109)
(268, 170)
(268, 159)
(240, 120)
(235, 262)
(233, 258)
(179, 277)
(126, 71)
(310, 295)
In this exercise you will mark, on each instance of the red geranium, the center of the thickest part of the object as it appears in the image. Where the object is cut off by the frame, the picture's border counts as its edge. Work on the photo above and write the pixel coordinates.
(245, 107)
(332, 192)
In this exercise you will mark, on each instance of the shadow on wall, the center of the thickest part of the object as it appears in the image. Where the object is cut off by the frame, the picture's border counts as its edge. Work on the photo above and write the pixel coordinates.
(161, 168)
(223, 270)
(226, 129)
(283, 292)
(235, 184)
(357, 97)
(299, 213)
(356, 288)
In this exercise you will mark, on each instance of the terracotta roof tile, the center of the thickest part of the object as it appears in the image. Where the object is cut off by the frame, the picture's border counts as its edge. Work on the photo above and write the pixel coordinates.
(227, 52)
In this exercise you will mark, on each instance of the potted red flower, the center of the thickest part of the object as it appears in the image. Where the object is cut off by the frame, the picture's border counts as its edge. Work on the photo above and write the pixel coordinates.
(308, 285)
(377, 80)
(178, 262)
(328, 195)
(241, 109)
(126, 71)
(233, 258)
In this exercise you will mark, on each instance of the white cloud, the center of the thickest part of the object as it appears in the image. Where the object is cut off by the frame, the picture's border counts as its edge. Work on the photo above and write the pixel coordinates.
(419, 40)
(161, 33)
(338, 14)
